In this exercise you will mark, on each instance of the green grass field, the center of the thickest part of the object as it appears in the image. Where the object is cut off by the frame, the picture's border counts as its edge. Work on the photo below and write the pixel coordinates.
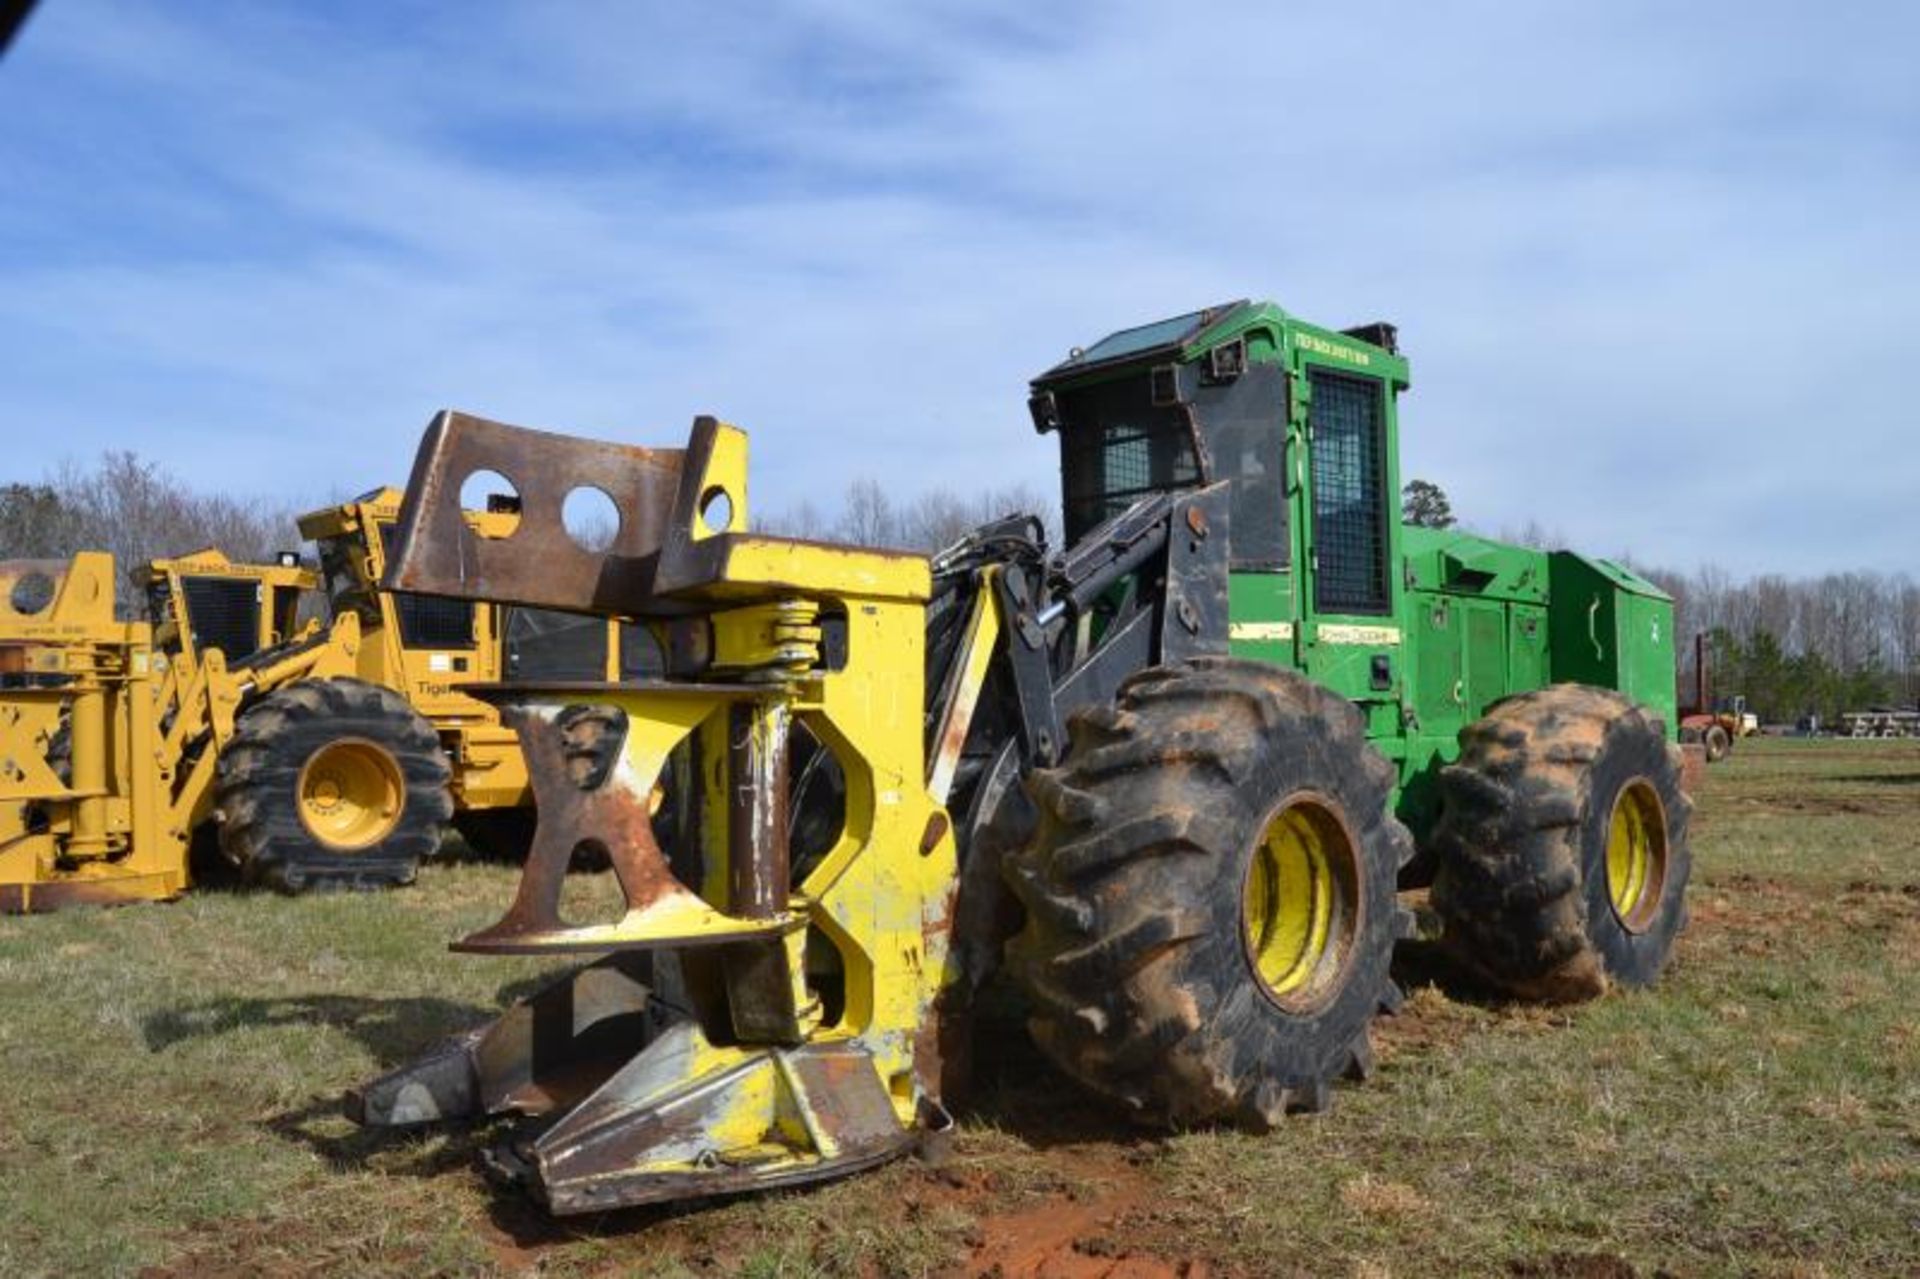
(172, 1076)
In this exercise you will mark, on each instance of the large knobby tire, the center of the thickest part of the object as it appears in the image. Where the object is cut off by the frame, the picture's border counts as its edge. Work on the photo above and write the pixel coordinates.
(332, 783)
(1170, 963)
(1562, 846)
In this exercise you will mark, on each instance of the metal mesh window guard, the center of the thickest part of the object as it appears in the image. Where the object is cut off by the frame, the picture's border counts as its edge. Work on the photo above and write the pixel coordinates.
(1349, 494)
(429, 621)
(224, 615)
(1119, 448)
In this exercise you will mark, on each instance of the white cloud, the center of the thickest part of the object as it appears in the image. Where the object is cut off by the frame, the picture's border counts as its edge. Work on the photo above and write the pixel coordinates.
(1640, 260)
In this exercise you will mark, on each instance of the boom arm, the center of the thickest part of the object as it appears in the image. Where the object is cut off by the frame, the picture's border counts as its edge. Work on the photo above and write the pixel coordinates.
(1145, 588)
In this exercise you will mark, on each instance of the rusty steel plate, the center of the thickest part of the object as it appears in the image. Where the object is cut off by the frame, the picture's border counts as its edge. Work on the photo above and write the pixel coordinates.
(436, 552)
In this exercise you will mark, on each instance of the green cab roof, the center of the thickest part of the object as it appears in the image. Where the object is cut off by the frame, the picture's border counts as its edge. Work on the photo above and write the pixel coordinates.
(1161, 337)
(1186, 336)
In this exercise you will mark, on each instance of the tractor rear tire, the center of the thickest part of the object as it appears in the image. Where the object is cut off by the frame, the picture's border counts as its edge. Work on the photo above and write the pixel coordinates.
(1210, 896)
(332, 783)
(1562, 846)
(1718, 742)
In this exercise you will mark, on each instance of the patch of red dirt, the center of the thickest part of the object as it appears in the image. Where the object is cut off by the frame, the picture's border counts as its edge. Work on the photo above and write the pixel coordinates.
(510, 1254)
(1427, 1022)
(1096, 1237)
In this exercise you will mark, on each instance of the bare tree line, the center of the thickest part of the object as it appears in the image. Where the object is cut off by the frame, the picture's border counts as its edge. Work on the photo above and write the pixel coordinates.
(1800, 646)
(139, 511)
(1792, 646)
(868, 515)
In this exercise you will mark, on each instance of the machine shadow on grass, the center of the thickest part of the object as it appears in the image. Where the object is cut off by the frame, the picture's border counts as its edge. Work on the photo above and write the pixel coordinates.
(392, 1030)
(1012, 1086)
(1419, 963)
(1014, 1089)
(213, 872)
(322, 1127)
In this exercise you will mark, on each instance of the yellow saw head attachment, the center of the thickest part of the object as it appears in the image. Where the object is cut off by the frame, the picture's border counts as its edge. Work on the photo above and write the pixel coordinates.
(767, 1003)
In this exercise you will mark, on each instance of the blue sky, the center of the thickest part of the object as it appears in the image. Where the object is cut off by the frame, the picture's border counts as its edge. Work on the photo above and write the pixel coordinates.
(1657, 266)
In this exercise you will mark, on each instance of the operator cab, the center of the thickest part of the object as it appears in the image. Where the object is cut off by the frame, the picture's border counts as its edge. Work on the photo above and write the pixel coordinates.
(1226, 393)
(201, 601)
(1136, 418)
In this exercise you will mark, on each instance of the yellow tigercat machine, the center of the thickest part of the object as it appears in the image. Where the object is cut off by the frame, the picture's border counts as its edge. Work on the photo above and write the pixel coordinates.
(315, 754)
(112, 732)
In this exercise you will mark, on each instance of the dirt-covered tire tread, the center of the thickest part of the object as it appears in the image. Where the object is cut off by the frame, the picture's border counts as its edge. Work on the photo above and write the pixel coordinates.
(1132, 953)
(1520, 844)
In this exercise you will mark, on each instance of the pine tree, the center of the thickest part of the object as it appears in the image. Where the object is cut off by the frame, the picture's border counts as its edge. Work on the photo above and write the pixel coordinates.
(1424, 504)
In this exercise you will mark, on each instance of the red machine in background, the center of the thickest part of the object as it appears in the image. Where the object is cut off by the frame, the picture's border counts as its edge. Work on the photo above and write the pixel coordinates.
(1714, 727)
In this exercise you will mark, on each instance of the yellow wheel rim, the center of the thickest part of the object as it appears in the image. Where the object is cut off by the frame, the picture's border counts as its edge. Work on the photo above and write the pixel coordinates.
(1636, 855)
(1301, 905)
(351, 794)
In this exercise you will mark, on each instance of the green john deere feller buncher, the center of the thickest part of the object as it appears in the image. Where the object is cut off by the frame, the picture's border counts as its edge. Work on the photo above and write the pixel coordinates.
(1175, 776)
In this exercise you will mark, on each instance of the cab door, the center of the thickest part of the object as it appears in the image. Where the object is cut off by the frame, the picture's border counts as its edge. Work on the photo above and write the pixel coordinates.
(1349, 521)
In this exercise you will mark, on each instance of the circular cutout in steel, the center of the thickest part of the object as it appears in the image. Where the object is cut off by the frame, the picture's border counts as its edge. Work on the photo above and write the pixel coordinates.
(32, 592)
(490, 503)
(716, 510)
(591, 519)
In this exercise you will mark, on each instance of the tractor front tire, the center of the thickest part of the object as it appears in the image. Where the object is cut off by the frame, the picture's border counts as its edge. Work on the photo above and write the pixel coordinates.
(1210, 896)
(332, 783)
(1562, 846)
(1718, 743)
